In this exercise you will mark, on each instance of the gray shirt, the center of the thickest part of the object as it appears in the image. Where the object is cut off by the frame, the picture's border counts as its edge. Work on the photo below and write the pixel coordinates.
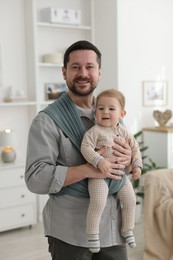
(49, 154)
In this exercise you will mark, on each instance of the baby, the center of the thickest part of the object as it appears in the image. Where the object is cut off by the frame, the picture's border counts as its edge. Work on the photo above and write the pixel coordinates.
(110, 110)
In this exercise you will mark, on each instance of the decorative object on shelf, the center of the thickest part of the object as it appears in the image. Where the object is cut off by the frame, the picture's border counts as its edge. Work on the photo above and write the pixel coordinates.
(55, 58)
(154, 93)
(62, 16)
(55, 90)
(162, 117)
(7, 140)
(11, 97)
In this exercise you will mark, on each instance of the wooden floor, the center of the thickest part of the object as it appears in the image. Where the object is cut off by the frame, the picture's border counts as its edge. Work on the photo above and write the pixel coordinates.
(30, 244)
(24, 244)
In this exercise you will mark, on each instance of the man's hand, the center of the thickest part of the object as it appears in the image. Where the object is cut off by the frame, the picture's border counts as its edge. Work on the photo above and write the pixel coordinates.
(122, 151)
(114, 168)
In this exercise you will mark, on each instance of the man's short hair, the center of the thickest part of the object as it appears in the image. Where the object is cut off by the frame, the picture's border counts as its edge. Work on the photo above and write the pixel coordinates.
(82, 45)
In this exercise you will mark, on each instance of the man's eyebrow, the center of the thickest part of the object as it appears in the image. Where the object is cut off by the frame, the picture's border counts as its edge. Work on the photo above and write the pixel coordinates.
(75, 63)
(78, 64)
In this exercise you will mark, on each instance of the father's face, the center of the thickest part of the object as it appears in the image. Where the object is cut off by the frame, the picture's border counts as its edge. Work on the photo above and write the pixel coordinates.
(82, 73)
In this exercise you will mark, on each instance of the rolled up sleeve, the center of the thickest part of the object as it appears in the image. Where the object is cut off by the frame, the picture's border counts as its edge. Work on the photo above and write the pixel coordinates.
(44, 172)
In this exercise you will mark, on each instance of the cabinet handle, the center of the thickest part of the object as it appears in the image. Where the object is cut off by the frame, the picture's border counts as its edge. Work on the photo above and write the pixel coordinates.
(23, 196)
(21, 176)
(23, 215)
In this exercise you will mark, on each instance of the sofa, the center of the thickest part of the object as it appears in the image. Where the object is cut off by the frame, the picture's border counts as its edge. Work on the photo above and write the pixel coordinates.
(158, 215)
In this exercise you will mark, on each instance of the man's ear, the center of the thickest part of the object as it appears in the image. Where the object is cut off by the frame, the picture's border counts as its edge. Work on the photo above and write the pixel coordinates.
(64, 72)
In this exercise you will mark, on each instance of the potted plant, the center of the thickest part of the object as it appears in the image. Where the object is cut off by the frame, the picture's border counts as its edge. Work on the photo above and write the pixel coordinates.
(148, 165)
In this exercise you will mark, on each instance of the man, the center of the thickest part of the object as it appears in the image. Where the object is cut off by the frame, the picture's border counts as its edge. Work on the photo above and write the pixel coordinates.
(56, 167)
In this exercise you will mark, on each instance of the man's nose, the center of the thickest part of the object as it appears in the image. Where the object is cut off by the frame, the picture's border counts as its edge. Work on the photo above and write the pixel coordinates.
(83, 72)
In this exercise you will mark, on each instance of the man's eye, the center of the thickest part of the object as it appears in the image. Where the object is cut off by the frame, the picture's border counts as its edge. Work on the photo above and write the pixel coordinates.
(75, 67)
(90, 67)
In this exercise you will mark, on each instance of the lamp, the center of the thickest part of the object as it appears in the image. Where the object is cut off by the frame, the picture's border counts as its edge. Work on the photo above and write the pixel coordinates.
(7, 139)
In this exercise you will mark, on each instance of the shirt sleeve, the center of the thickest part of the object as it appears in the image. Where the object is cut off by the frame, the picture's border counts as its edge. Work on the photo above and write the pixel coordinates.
(88, 146)
(43, 174)
(136, 154)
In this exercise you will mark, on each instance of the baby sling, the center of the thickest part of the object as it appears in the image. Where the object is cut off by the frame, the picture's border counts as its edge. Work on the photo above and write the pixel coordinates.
(66, 116)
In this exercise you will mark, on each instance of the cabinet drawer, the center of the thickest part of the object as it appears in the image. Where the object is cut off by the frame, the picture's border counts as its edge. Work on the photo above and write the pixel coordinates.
(15, 196)
(17, 217)
(11, 177)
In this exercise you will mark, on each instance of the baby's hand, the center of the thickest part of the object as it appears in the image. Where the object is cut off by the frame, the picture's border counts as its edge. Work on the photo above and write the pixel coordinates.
(103, 165)
(136, 173)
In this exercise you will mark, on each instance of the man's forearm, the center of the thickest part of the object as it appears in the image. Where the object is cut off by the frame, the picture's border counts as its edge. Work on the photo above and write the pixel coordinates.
(78, 173)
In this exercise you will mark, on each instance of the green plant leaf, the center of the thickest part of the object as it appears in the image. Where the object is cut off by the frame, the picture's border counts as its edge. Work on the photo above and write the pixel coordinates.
(148, 165)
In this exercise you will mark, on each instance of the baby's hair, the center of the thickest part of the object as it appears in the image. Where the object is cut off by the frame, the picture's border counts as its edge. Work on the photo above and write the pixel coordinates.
(115, 94)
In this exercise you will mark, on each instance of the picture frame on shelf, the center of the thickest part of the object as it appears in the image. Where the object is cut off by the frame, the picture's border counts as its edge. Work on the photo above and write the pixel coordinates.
(54, 90)
(154, 93)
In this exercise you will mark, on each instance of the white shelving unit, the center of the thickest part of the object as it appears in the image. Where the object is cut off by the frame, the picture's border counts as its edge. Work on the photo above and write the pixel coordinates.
(41, 38)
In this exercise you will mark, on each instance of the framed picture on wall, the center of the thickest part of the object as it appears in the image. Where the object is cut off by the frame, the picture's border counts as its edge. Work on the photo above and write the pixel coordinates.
(155, 93)
(54, 90)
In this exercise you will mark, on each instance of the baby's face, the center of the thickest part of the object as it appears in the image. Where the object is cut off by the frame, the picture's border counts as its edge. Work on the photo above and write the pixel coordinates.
(108, 111)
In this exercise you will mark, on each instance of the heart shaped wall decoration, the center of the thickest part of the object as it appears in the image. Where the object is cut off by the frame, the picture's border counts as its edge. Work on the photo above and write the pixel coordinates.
(162, 117)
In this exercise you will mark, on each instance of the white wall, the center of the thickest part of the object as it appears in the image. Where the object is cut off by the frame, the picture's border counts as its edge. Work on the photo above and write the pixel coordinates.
(145, 52)
(106, 41)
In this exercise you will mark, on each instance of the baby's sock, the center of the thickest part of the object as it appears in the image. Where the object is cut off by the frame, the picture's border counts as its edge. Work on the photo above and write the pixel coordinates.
(94, 243)
(129, 237)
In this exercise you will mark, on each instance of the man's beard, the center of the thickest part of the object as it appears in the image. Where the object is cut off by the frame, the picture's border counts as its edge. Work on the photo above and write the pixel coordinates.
(80, 93)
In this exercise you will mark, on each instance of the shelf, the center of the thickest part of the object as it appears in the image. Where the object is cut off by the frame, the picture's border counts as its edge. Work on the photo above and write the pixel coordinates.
(14, 104)
(11, 165)
(64, 26)
(163, 129)
(46, 65)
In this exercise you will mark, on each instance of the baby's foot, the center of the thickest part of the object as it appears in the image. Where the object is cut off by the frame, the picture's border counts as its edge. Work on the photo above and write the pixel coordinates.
(129, 237)
(94, 243)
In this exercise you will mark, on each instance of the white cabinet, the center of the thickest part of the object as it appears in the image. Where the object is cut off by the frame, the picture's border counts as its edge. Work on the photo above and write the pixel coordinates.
(160, 145)
(17, 204)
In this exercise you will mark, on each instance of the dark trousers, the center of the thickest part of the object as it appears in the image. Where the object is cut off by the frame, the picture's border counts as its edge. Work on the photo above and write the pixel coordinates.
(60, 250)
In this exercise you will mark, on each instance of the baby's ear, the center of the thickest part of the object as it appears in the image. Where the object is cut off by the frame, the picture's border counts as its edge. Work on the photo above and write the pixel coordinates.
(123, 113)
